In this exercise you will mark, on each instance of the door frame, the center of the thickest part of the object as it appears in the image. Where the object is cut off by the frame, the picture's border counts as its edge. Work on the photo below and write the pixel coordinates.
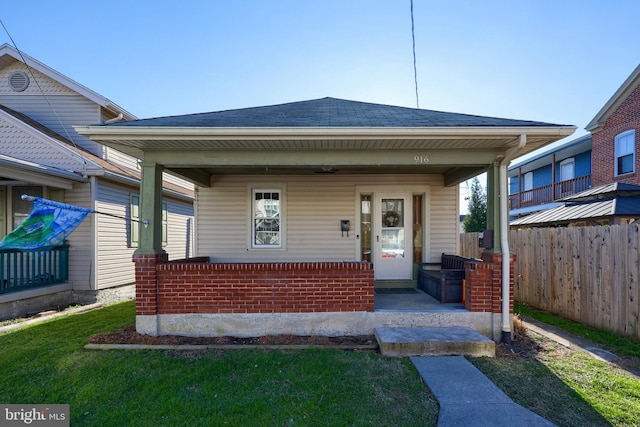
(395, 269)
(409, 190)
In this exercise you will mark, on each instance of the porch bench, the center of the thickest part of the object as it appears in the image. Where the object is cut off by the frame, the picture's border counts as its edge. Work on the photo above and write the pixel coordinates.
(445, 283)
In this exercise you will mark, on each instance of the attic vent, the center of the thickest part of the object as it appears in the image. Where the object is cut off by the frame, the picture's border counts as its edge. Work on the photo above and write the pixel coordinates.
(19, 81)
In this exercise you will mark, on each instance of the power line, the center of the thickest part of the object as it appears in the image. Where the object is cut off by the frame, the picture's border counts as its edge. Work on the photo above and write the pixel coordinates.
(46, 98)
(415, 68)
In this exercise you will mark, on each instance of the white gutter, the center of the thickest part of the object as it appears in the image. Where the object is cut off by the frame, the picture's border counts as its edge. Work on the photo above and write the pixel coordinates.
(142, 133)
(504, 237)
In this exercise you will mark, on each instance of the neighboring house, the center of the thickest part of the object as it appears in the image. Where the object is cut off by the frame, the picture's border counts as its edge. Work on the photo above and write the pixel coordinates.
(304, 209)
(608, 155)
(42, 155)
(539, 182)
(609, 204)
(615, 130)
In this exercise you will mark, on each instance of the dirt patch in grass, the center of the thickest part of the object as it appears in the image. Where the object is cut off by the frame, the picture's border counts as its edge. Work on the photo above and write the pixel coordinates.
(130, 336)
(529, 346)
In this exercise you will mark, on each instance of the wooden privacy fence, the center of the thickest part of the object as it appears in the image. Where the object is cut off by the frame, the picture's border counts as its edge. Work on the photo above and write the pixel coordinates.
(587, 274)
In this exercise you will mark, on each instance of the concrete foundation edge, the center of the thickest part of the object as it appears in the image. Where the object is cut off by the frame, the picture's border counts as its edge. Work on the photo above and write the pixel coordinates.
(326, 324)
(24, 303)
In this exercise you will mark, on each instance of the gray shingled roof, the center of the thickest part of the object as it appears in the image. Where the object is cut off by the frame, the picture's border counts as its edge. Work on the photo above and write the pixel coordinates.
(329, 112)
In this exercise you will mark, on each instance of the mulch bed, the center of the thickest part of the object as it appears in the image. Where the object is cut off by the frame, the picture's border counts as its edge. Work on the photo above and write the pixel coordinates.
(523, 345)
(130, 336)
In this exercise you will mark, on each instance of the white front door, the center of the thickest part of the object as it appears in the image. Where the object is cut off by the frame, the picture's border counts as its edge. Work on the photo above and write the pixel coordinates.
(393, 242)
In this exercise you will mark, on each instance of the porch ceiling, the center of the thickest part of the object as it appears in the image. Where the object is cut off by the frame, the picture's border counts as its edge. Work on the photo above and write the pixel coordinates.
(198, 154)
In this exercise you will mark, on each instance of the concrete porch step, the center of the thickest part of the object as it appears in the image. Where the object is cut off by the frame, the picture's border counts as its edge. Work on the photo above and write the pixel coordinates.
(447, 341)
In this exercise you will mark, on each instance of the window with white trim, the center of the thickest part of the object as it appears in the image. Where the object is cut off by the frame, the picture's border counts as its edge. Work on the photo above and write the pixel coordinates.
(527, 187)
(134, 223)
(625, 152)
(567, 175)
(266, 209)
(567, 169)
(22, 208)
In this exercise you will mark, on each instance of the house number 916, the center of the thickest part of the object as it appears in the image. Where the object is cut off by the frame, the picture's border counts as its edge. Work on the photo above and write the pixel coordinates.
(421, 159)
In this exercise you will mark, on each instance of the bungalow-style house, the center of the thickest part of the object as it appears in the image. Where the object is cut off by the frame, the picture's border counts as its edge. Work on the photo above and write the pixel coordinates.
(304, 209)
(41, 155)
(539, 182)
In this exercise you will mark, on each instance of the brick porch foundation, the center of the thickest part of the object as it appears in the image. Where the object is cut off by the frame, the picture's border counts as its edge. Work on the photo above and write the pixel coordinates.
(483, 287)
(194, 297)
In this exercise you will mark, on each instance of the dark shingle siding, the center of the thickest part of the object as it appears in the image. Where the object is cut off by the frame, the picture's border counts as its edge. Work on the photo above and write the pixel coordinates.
(329, 112)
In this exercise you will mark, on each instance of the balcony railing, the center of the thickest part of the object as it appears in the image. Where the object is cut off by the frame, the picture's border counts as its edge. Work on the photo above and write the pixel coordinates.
(20, 270)
(550, 193)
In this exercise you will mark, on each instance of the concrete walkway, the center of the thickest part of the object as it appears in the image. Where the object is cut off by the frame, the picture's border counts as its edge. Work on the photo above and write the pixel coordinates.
(468, 398)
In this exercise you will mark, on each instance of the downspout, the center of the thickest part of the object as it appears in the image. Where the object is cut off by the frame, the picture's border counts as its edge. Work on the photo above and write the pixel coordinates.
(504, 237)
(115, 119)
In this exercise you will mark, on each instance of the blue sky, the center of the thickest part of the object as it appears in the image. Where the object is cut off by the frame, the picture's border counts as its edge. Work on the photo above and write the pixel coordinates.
(557, 61)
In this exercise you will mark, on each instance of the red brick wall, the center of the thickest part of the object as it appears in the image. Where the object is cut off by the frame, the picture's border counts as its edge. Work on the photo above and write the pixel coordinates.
(626, 117)
(258, 288)
(146, 295)
(483, 287)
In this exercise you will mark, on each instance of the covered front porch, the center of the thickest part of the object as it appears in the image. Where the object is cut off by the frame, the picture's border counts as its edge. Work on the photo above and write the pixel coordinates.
(302, 207)
(195, 297)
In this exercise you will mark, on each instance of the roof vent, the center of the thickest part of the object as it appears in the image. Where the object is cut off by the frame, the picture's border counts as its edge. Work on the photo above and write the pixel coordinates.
(19, 81)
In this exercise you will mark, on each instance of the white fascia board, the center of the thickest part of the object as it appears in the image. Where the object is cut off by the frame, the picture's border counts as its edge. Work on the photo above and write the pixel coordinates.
(177, 133)
(32, 172)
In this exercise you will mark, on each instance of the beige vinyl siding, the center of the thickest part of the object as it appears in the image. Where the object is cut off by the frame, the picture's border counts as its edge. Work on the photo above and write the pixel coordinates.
(314, 207)
(122, 159)
(119, 158)
(180, 229)
(81, 262)
(114, 266)
(24, 145)
(167, 177)
(70, 110)
(44, 84)
(445, 221)
(61, 105)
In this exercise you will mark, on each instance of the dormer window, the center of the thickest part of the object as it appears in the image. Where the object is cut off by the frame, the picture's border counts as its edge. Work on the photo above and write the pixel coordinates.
(625, 152)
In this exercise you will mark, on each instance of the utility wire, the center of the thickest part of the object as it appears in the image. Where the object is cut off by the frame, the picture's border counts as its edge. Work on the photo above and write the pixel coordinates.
(33, 76)
(66, 206)
(415, 69)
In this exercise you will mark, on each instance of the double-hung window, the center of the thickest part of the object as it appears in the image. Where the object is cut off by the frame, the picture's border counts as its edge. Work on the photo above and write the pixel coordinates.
(266, 214)
(21, 208)
(625, 152)
(134, 222)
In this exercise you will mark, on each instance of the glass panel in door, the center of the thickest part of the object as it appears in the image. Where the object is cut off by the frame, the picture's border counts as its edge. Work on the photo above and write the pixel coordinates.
(392, 231)
(394, 258)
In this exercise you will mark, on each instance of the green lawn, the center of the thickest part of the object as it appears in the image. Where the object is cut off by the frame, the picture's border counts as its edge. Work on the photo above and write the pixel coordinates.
(47, 363)
(622, 346)
(568, 387)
